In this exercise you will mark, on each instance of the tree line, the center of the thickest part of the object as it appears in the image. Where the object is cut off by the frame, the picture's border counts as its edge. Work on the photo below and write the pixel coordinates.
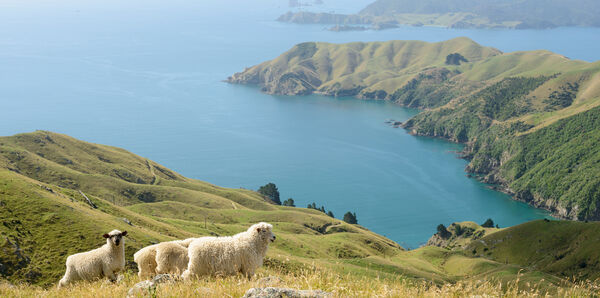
(270, 192)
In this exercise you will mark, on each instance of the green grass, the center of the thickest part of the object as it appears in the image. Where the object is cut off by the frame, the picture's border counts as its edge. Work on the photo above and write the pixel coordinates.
(562, 248)
(48, 222)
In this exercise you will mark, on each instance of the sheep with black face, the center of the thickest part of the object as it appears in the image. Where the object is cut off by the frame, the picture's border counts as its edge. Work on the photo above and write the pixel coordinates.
(105, 261)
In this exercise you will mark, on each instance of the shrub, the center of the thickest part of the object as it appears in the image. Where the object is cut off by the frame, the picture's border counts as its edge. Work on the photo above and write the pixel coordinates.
(455, 59)
(289, 202)
(443, 232)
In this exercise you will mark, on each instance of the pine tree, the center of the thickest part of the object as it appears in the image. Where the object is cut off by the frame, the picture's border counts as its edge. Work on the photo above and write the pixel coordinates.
(270, 191)
(350, 218)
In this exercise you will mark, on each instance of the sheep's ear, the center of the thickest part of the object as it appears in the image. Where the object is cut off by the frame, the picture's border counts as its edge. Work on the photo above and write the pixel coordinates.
(124, 233)
(106, 236)
(258, 230)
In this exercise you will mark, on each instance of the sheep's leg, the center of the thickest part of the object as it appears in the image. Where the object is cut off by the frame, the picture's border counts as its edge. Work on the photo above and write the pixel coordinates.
(192, 269)
(247, 272)
(66, 279)
(108, 272)
(145, 270)
(187, 275)
(141, 272)
(162, 268)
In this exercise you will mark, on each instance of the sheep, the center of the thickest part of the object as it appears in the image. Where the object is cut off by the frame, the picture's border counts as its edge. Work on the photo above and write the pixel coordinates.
(171, 257)
(104, 261)
(145, 258)
(164, 257)
(242, 253)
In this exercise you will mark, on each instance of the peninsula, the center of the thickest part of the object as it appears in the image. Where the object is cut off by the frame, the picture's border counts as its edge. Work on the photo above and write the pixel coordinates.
(529, 120)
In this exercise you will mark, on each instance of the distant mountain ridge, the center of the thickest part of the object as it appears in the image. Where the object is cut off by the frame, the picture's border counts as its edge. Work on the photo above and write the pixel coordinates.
(508, 108)
(517, 14)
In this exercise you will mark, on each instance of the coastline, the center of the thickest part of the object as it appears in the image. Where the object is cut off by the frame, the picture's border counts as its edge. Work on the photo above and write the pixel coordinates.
(499, 184)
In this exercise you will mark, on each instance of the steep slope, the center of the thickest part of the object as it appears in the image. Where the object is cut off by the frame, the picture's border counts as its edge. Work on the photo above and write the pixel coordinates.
(543, 150)
(44, 218)
(528, 118)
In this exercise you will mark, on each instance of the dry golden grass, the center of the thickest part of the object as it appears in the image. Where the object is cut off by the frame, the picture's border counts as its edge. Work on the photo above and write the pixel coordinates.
(338, 285)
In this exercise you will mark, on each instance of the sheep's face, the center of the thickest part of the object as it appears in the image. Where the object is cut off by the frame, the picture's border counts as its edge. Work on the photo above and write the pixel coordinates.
(265, 231)
(115, 237)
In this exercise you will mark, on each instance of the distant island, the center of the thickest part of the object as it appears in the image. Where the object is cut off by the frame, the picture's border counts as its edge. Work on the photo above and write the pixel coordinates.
(484, 14)
(530, 120)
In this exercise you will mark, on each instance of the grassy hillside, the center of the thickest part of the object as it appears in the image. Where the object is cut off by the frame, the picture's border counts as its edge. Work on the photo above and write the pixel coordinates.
(45, 218)
(515, 14)
(529, 119)
(369, 70)
(460, 234)
(562, 248)
(565, 249)
(412, 73)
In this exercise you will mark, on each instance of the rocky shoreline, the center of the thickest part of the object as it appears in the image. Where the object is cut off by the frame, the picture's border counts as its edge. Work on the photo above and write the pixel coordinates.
(496, 182)
(489, 176)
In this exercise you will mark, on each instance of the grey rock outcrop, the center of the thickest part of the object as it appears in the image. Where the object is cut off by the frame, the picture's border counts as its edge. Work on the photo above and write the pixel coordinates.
(271, 292)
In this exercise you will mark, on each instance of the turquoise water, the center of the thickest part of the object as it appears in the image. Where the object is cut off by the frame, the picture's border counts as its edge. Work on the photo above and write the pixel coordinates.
(147, 77)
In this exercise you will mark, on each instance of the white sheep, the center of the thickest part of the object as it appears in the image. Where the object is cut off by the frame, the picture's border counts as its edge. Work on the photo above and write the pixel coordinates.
(105, 261)
(171, 257)
(241, 253)
(164, 257)
(145, 258)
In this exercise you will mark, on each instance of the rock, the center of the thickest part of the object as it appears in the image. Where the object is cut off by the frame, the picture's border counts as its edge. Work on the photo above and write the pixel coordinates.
(165, 278)
(127, 221)
(148, 286)
(269, 281)
(47, 188)
(141, 288)
(120, 278)
(271, 292)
